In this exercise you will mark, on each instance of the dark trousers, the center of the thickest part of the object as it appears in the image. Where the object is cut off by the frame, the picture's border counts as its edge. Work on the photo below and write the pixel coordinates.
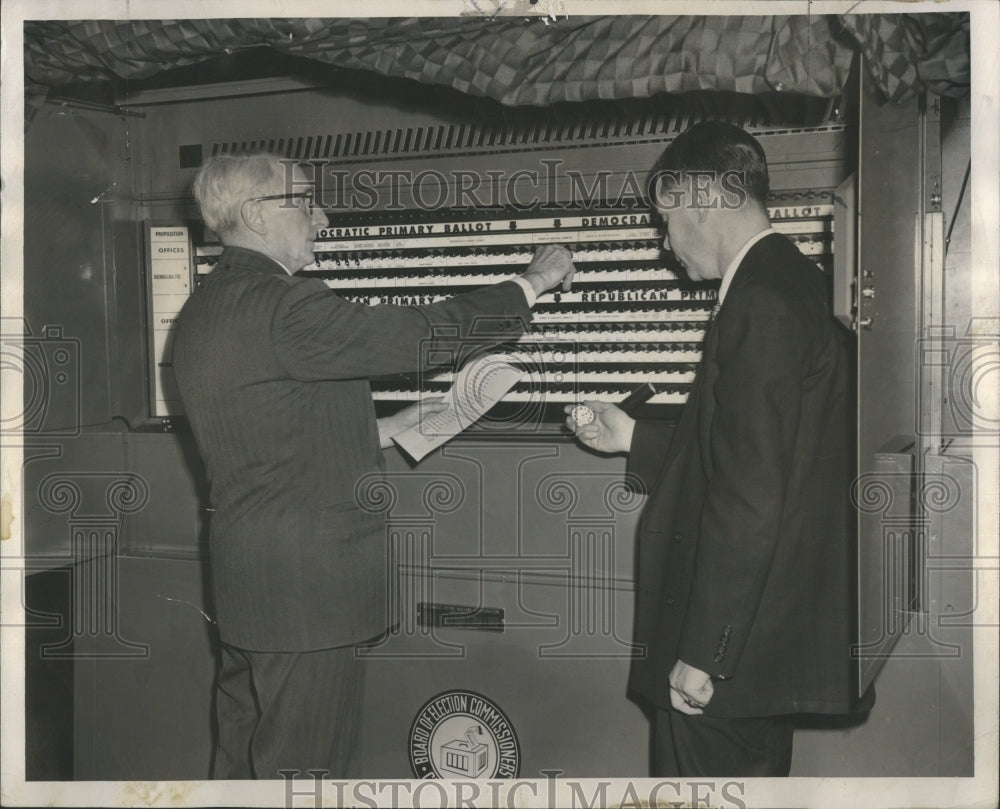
(288, 711)
(709, 746)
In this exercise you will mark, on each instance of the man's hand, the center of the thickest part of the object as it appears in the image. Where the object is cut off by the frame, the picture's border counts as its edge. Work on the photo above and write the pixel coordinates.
(690, 688)
(610, 431)
(407, 417)
(551, 264)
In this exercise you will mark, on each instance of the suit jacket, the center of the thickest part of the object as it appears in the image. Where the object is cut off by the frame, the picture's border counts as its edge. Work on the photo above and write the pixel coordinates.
(273, 372)
(745, 551)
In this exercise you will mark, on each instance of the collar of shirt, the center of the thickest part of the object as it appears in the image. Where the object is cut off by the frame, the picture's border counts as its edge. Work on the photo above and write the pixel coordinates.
(727, 276)
(247, 259)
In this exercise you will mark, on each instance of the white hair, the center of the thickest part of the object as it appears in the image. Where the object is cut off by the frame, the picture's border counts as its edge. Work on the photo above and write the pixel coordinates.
(225, 182)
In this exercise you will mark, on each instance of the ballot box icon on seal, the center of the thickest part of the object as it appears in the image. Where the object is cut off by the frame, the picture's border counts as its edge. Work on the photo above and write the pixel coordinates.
(462, 734)
(466, 757)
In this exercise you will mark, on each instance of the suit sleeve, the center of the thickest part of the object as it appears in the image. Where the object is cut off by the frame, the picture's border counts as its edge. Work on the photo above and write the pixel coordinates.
(750, 443)
(650, 442)
(318, 335)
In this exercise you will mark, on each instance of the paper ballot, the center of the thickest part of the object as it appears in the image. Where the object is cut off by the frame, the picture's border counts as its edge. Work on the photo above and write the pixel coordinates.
(478, 386)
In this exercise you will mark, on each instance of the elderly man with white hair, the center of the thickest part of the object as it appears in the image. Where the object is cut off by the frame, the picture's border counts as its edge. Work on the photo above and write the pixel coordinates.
(273, 371)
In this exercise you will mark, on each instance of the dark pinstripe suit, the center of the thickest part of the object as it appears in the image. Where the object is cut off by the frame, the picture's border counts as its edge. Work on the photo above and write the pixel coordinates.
(273, 372)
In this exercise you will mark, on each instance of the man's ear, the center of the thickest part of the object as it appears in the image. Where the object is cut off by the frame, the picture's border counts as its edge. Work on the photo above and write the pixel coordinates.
(253, 217)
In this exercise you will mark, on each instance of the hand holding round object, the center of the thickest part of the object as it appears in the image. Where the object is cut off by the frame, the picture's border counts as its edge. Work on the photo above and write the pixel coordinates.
(582, 415)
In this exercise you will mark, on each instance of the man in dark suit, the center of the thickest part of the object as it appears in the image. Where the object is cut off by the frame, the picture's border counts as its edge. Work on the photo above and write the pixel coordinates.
(745, 601)
(273, 372)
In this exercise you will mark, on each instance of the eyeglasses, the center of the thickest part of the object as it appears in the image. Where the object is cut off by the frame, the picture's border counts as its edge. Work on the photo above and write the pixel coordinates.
(308, 196)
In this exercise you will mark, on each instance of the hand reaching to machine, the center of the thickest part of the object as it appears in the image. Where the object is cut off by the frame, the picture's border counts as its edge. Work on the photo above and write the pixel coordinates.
(551, 264)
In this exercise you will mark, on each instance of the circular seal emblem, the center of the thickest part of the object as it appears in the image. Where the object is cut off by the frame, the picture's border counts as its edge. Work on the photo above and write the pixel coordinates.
(462, 734)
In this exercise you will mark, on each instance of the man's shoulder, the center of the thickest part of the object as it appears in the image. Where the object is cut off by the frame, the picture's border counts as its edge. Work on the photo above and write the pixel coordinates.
(775, 249)
(775, 279)
(241, 261)
(230, 292)
(235, 276)
(776, 263)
